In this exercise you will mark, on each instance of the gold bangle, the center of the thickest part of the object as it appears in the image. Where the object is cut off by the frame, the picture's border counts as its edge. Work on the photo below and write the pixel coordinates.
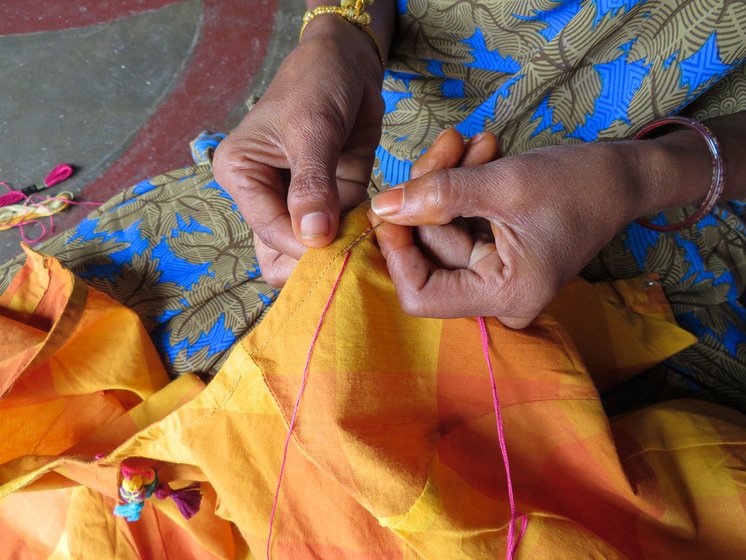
(354, 12)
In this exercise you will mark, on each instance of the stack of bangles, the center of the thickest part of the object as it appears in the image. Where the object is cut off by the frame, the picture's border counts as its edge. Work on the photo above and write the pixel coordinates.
(718, 171)
(354, 12)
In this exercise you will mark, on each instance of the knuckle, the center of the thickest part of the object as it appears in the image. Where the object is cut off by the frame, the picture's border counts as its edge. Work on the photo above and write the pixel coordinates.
(230, 167)
(437, 197)
(267, 232)
(413, 302)
(271, 272)
(447, 198)
(222, 162)
(312, 186)
(410, 304)
(517, 179)
(523, 297)
(272, 276)
(316, 126)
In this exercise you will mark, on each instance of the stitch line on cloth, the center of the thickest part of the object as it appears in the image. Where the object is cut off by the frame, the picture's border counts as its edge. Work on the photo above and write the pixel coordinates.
(30, 478)
(681, 448)
(346, 252)
(295, 310)
(296, 408)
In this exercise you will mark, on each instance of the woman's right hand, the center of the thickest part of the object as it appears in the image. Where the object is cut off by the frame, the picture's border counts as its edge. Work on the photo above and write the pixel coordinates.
(304, 154)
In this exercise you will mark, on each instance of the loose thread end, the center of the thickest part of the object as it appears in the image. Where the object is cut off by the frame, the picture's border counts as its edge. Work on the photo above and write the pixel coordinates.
(512, 541)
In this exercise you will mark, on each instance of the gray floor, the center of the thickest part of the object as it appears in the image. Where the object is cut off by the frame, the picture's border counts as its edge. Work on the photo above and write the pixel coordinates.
(82, 95)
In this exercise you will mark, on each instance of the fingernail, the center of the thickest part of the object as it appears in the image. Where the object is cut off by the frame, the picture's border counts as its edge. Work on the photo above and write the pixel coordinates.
(388, 202)
(477, 138)
(315, 224)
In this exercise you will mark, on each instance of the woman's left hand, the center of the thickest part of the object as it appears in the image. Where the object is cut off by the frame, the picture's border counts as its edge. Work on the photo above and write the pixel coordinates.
(544, 215)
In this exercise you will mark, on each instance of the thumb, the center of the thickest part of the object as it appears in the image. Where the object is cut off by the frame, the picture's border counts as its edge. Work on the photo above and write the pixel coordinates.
(313, 197)
(433, 199)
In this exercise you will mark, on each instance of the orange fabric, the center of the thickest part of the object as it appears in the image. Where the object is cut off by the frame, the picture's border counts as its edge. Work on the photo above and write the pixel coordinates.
(395, 453)
(75, 363)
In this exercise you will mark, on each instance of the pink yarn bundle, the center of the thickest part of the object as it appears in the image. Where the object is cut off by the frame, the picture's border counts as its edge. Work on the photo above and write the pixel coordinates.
(21, 208)
(61, 172)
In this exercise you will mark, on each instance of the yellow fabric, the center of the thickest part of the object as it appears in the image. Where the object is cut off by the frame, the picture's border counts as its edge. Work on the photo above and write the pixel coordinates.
(395, 454)
(620, 328)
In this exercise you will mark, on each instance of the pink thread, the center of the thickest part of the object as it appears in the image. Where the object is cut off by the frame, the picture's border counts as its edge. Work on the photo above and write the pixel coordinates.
(42, 235)
(512, 542)
(30, 202)
(61, 172)
(11, 197)
(514, 517)
(294, 416)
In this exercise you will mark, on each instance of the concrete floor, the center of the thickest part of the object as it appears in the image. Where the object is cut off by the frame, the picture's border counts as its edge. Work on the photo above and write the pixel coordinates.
(119, 87)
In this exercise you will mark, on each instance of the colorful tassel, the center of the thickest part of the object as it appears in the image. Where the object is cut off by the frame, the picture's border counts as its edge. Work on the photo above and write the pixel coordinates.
(136, 486)
(138, 483)
(187, 499)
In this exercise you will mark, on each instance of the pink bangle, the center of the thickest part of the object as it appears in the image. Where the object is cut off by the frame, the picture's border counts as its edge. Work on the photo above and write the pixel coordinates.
(718, 171)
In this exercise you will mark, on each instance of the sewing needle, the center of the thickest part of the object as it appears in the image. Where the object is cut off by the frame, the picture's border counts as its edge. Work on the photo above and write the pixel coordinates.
(362, 237)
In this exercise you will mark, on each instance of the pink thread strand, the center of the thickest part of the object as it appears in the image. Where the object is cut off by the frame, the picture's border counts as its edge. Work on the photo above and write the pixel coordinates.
(61, 172)
(514, 517)
(28, 240)
(11, 197)
(32, 203)
(294, 416)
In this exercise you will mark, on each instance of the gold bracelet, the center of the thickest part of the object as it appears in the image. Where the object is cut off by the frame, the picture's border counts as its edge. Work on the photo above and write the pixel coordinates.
(354, 12)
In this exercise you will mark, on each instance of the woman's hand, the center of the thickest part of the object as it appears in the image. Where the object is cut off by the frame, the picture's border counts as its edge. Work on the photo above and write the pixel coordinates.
(448, 246)
(545, 214)
(304, 154)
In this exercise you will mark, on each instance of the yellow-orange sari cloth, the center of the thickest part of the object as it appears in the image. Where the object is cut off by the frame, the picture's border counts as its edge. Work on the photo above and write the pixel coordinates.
(395, 454)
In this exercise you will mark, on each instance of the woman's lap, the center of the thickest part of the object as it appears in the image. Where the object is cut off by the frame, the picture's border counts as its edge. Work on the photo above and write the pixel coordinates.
(175, 249)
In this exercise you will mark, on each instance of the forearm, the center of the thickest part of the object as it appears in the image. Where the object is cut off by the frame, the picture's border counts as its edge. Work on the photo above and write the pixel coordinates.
(383, 20)
(676, 168)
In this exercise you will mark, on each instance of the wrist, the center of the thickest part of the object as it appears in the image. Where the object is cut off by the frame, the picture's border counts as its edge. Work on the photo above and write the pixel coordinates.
(382, 21)
(621, 180)
(673, 170)
(336, 33)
